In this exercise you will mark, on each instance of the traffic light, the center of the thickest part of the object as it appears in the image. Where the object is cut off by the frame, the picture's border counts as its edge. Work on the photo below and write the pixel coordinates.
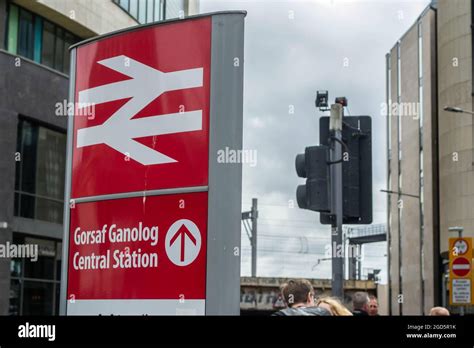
(356, 168)
(312, 165)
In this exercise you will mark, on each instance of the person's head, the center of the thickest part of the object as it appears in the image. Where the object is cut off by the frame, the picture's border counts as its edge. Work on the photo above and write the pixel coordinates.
(373, 306)
(439, 311)
(333, 305)
(360, 301)
(298, 292)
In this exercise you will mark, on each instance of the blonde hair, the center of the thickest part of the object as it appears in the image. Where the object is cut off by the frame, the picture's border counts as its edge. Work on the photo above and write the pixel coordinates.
(337, 308)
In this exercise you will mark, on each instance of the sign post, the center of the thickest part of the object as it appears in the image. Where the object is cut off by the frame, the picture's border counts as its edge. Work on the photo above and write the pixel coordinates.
(152, 219)
(460, 271)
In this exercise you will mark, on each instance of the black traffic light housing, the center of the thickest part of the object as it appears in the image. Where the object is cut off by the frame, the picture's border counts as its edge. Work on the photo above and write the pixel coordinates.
(315, 194)
(356, 168)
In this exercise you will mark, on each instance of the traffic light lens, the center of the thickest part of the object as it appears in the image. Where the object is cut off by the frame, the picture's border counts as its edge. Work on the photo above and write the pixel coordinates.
(300, 165)
(301, 196)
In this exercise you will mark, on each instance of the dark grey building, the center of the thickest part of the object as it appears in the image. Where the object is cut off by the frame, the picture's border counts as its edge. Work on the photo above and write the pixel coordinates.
(34, 62)
(32, 160)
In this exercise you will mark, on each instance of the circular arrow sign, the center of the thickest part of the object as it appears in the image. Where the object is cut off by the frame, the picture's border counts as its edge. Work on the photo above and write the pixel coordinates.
(461, 266)
(460, 247)
(183, 242)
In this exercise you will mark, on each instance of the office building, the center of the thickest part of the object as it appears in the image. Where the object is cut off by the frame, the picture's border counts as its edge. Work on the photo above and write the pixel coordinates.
(430, 153)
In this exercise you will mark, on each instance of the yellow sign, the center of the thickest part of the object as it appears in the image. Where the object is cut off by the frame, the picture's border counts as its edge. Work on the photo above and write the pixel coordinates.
(461, 279)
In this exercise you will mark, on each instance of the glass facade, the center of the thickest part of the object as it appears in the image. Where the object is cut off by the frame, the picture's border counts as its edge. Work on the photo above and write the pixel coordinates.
(34, 286)
(35, 38)
(40, 172)
(148, 11)
(175, 9)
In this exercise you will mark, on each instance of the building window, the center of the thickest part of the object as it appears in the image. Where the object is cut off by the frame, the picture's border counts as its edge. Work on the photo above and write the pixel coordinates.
(47, 54)
(25, 34)
(133, 9)
(59, 49)
(125, 4)
(174, 8)
(148, 11)
(34, 285)
(35, 38)
(399, 99)
(40, 171)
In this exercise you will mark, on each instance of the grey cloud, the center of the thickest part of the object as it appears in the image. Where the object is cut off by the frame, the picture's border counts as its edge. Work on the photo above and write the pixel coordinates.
(286, 61)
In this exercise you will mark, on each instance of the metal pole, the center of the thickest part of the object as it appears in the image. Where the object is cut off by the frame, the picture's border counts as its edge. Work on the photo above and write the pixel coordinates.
(335, 127)
(443, 288)
(461, 310)
(254, 216)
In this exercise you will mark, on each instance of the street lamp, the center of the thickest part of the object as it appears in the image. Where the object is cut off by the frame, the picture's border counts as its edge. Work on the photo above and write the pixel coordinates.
(458, 110)
(399, 193)
(457, 229)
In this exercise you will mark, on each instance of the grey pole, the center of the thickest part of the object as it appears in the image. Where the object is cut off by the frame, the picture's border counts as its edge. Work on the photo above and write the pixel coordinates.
(459, 230)
(335, 127)
(461, 310)
(443, 289)
(254, 215)
(67, 189)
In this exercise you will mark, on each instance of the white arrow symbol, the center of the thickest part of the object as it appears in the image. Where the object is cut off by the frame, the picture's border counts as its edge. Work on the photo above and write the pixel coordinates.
(145, 85)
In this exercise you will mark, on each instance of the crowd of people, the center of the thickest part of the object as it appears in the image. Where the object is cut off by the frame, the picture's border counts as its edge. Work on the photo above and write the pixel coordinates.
(300, 299)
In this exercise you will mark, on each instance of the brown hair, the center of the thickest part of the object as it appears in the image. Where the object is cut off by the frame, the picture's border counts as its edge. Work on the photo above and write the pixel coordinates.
(337, 308)
(296, 291)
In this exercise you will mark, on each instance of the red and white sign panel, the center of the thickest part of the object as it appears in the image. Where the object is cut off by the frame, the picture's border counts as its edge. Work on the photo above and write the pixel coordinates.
(142, 110)
(151, 249)
(461, 266)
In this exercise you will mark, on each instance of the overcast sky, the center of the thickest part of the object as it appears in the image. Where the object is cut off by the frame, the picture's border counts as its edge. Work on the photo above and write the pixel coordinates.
(292, 49)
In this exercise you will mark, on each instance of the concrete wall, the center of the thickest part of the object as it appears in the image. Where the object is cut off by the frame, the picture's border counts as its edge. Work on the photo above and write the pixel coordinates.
(410, 214)
(456, 177)
(85, 18)
(394, 236)
(430, 163)
(22, 92)
(382, 296)
(192, 7)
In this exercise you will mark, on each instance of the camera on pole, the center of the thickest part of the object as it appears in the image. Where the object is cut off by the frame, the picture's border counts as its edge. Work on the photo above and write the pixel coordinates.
(322, 98)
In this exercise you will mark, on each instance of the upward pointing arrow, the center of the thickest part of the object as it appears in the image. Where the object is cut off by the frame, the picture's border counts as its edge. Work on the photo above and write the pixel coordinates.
(182, 232)
(145, 85)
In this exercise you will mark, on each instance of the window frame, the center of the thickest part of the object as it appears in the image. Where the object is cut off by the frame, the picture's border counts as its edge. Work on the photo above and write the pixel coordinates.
(18, 187)
(21, 279)
(12, 40)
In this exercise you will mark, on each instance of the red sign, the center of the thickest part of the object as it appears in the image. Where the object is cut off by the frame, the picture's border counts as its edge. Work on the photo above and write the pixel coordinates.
(139, 248)
(461, 266)
(142, 110)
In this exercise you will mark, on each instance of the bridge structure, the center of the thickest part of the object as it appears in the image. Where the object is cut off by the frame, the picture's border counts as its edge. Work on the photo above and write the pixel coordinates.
(261, 295)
